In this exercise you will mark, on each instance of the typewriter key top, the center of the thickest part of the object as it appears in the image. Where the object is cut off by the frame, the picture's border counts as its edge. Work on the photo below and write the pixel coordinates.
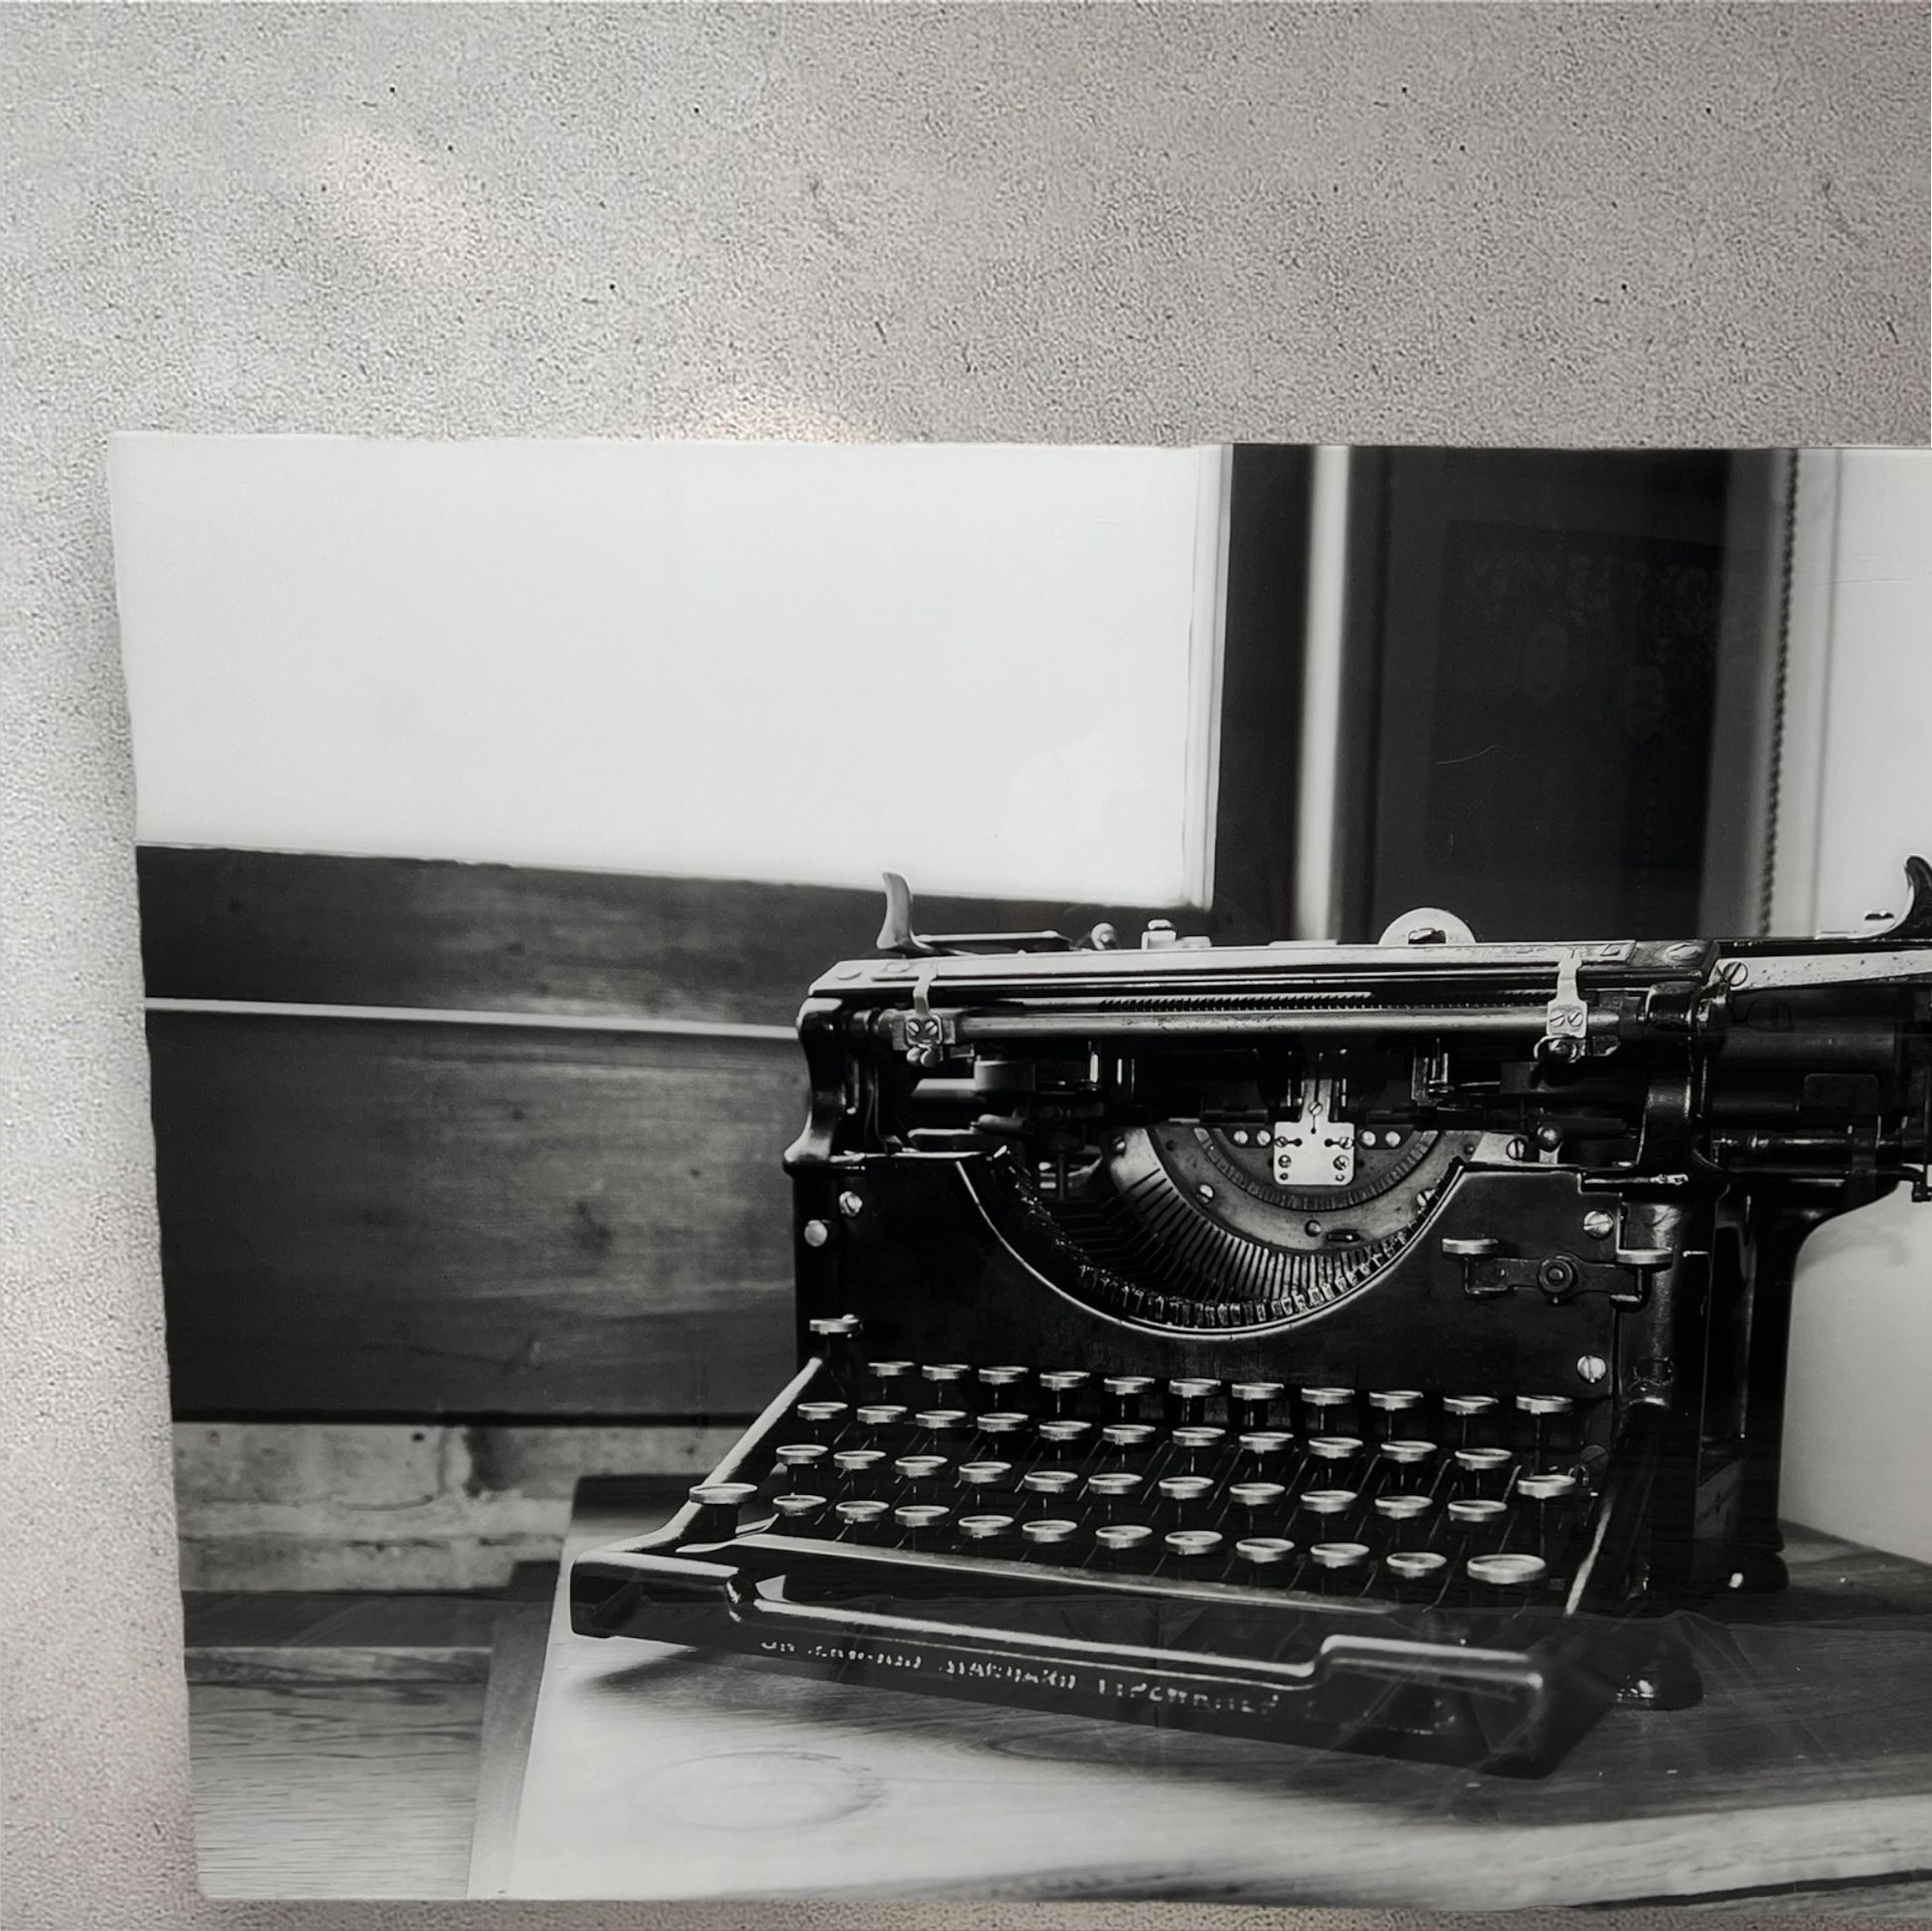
(1328, 1501)
(834, 1326)
(855, 1464)
(1396, 1401)
(1123, 1539)
(1340, 1559)
(1184, 1494)
(984, 1474)
(942, 1421)
(1544, 1404)
(1468, 1413)
(1419, 1573)
(1048, 1481)
(1004, 1421)
(1264, 1551)
(942, 1373)
(919, 1469)
(1002, 1377)
(1125, 1392)
(1112, 1490)
(889, 1374)
(1483, 1522)
(862, 1519)
(1254, 1497)
(1127, 1437)
(822, 1417)
(983, 1527)
(1481, 1471)
(1188, 1399)
(1048, 1529)
(1061, 1385)
(718, 1507)
(1507, 1573)
(1403, 1508)
(1546, 1489)
(1194, 1543)
(1250, 1403)
(1062, 1434)
(1335, 1448)
(799, 1508)
(794, 1457)
(880, 1415)
(1264, 1446)
(1406, 1453)
(1197, 1445)
(1324, 1401)
(917, 1519)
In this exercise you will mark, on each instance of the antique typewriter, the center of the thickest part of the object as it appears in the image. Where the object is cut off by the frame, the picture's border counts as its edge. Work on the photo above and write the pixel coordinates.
(1362, 1346)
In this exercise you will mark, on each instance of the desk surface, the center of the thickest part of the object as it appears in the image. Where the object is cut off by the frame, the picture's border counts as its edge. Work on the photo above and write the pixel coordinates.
(654, 1773)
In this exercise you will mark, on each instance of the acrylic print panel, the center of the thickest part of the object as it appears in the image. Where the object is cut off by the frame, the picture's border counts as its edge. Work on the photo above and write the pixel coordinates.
(988, 667)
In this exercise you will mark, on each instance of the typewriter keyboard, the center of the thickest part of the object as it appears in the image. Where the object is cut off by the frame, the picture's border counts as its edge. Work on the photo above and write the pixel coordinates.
(1472, 1499)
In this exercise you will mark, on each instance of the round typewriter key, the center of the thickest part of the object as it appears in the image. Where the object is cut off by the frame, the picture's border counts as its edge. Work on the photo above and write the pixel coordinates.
(1265, 1551)
(880, 1415)
(1047, 1484)
(1337, 1450)
(1546, 1414)
(942, 1421)
(983, 1527)
(1184, 1494)
(1123, 1541)
(1061, 1385)
(834, 1326)
(1112, 1490)
(1251, 1402)
(1197, 1445)
(836, 1333)
(1481, 1521)
(1546, 1488)
(889, 1374)
(1544, 1404)
(918, 1519)
(1407, 1464)
(1327, 1501)
(858, 1464)
(1325, 1409)
(1340, 1565)
(1392, 1406)
(1004, 1421)
(795, 1456)
(797, 1508)
(985, 1474)
(1194, 1543)
(919, 1470)
(1062, 1434)
(944, 1373)
(1188, 1399)
(1127, 1438)
(1256, 1496)
(822, 1417)
(998, 1386)
(1048, 1529)
(1470, 1414)
(1419, 1573)
(861, 1520)
(1125, 1392)
(1265, 1447)
(718, 1507)
(1507, 1577)
(1481, 1471)
(1403, 1507)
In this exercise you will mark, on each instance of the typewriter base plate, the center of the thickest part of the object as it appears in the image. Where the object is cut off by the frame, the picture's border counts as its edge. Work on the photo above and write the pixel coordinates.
(653, 1773)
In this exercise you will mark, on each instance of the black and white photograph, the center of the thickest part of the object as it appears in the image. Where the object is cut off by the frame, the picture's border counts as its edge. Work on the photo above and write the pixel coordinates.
(966, 964)
(1020, 1170)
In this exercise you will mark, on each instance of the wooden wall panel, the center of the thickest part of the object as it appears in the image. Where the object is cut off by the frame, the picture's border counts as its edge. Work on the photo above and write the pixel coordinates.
(376, 1218)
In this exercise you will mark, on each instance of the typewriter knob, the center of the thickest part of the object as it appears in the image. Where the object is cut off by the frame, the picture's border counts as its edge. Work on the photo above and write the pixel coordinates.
(1428, 925)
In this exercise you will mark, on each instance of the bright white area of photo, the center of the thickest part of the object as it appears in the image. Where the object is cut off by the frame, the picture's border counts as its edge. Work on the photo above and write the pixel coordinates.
(989, 667)
(1856, 801)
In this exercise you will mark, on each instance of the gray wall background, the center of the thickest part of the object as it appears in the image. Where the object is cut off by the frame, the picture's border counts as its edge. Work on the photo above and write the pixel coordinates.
(1536, 224)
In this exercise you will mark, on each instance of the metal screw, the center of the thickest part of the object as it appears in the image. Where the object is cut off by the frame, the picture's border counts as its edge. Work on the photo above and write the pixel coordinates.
(1550, 1137)
(1599, 1225)
(1592, 1367)
(1519, 1148)
(817, 1233)
(850, 1206)
(1205, 1191)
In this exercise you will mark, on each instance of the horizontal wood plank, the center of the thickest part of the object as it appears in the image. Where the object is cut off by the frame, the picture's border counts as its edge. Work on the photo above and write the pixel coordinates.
(386, 1219)
(303, 928)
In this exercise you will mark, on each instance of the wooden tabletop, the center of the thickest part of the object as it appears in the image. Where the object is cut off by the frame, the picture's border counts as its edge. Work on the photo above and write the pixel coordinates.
(657, 1772)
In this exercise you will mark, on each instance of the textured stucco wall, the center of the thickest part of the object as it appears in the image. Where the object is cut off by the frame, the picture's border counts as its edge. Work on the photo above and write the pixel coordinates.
(1455, 225)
